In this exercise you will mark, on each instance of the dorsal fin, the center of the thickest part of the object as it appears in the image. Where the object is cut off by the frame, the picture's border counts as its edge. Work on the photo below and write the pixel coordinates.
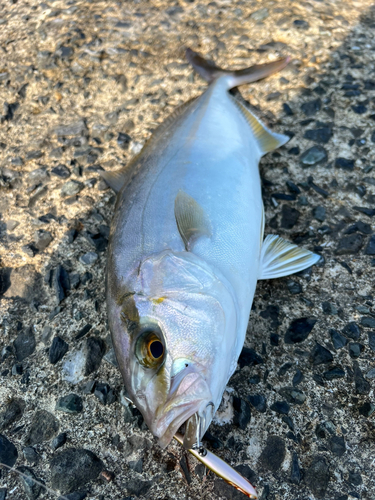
(266, 140)
(192, 221)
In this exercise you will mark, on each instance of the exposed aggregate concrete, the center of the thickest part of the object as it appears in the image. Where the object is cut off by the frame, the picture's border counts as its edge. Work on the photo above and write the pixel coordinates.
(82, 86)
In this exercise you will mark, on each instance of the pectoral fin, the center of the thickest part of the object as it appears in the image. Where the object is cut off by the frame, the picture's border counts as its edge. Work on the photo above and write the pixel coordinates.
(191, 219)
(117, 179)
(280, 258)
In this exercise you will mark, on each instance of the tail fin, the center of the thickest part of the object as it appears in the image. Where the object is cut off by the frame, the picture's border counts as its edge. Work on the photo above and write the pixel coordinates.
(210, 72)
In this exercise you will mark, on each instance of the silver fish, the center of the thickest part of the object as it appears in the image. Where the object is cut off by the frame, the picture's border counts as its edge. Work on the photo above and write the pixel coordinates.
(186, 250)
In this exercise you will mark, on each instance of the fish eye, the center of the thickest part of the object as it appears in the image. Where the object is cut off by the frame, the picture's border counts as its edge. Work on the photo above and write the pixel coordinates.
(149, 349)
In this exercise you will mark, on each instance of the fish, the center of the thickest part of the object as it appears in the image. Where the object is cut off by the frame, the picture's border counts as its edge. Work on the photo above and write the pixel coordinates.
(186, 249)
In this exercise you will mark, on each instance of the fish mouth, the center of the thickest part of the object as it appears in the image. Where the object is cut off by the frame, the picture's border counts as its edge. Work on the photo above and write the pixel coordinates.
(192, 396)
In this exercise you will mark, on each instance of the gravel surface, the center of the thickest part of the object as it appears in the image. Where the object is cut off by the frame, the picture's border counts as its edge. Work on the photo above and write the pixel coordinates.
(82, 86)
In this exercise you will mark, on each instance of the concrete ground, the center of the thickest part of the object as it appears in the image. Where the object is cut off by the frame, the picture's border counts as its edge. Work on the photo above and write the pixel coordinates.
(82, 86)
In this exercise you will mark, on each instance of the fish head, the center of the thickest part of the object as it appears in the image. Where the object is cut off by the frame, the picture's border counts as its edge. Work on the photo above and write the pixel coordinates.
(174, 333)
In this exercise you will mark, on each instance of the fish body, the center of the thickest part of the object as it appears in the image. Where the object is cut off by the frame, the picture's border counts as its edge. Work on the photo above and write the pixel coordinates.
(186, 250)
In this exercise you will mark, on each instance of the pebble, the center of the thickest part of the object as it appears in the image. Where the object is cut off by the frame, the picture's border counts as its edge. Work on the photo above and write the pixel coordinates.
(88, 258)
(320, 355)
(317, 476)
(30, 455)
(367, 409)
(313, 156)
(312, 107)
(333, 373)
(319, 213)
(370, 212)
(123, 140)
(370, 248)
(12, 412)
(320, 135)
(58, 441)
(360, 109)
(299, 330)
(294, 287)
(3, 493)
(355, 349)
(361, 385)
(60, 282)
(297, 378)
(249, 357)
(338, 340)
(295, 471)
(83, 331)
(71, 188)
(94, 351)
(24, 345)
(57, 350)
(344, 164)
(260, 14)
(61, 171)
(337, 445)
(8, 452)
(360, 226)
(280, 407)
(30, 482)
(371, 340)
(349, 244)
(368, 322)
(258, 401)
(289, 217)
(71, 469)
(292, 395)
(74, 129)
(352, 330)
(273, 454)
(242, 414)
(104, 393)
(43, 428)
(301, 24)
(72, 403)
(138, 487)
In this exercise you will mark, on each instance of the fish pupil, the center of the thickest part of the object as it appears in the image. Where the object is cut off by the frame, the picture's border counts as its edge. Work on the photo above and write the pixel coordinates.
(156, 349)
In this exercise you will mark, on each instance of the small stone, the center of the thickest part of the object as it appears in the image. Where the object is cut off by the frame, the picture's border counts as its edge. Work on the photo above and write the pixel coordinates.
(12, 412)
(338, 340)
(8, 452)
(320, 355)
(260, 14)
(280, 407)
(367, 409)
(312, 107)
(30, 250)
(242, 413)
(30, 455)
(292, 395)
(94, 351)
(349, 244)
(319, 135)
(370, 249)
(58, 441)
(249, 357)
(370, 212)
(352, 330)
(298, 377)
(368, 322)
(57, 350)
(30, 482)
(42, 239)
(287, 109)
(273, 454)
(73, 468)
(294, 287)
(83, 331)
(3, 493)
(24, 344)
(319, 213)
(138, 487)
(371, 373)
(301, 24)
(359, 109)
(71, 188)
(337, 445)
(104, 393)
(299, 330)
(60, 282)
(123, 140)
(258, 402)
(74, 129)
(295, 471)
(371, 340)
(61, 171)
(70, 404)
(43, 427)
(361, 385)
(355, 349)
(88, 258)
(289, 217)
(333, 373)
(17, 369)
(344, 164)
(317, 476)
(329, 308)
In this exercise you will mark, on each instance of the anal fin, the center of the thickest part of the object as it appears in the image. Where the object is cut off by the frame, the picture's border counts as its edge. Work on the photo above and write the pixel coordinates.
(192, 221)
(280, 258)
